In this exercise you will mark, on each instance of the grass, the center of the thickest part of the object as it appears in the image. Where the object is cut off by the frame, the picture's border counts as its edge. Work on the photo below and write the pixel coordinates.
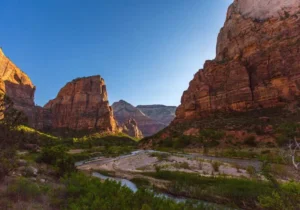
(141, 182)
(24, 189)
(183, 165)
(217, 189)
(160, 156)
(251, 171)
(105, 172)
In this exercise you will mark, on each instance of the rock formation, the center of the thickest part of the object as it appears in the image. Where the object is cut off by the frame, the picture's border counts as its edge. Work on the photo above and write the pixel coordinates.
(82, 104)
(17, 86)
(257, 63)
(131, 128)
(160, 113)
(124, 111)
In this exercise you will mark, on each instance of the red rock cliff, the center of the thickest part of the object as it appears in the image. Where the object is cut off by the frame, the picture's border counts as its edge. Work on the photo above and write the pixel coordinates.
(82, 105)
(257, 63)
(17, 86)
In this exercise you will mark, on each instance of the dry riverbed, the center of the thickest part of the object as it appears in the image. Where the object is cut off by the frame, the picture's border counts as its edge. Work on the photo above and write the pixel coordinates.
(152, 161)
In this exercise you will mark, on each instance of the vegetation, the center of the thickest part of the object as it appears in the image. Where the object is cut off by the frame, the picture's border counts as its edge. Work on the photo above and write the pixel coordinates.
(216, 165)
(160, 155)
(58, 157)
(243, 193)
(24, 189)
(9, 139)
(84, 192)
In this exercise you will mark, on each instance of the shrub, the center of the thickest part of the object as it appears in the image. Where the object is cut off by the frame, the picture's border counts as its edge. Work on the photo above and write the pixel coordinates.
(251, 170)
(184, 165)
(216, 165)
(250, 141)
(287, 131)
(160, 156)
(58, 157)
(24, 189)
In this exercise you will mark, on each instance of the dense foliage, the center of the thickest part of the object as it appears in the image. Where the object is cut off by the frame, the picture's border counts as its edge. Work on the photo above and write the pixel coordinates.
(84, 192)
(57, 156)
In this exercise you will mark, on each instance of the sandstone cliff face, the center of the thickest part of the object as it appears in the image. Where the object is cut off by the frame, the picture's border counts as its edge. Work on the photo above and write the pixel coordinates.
(82, 105)
(17, 86)
(257, 63)
(124, 111)
(131, 128)
(160, 113)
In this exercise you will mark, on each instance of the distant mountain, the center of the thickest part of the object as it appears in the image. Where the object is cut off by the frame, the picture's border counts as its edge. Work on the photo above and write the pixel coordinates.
(160, 113)
(124, 111)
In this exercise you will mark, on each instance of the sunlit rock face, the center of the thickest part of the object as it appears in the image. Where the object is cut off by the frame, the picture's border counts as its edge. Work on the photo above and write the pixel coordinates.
(257, 63)
(17, 86)
(264, 9)
(82, 104)
(130, 127)
(123, 112)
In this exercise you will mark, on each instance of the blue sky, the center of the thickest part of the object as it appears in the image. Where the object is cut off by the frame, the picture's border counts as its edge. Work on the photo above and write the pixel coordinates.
(147, 51)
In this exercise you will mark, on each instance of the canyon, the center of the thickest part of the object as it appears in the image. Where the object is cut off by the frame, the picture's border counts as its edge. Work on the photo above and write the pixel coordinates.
(81, 106)
(256, 65)
(149, 118)
(252, 87)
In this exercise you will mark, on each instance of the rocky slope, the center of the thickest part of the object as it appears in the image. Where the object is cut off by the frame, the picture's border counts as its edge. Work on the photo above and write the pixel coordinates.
(130, 127)
(17, 85)
(82, 104)
(124, 111)
(160, 113)
(257, 63)
(249, 90)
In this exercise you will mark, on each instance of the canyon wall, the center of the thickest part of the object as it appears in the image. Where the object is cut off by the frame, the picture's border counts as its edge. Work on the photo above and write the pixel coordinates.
(17, 86)
(130, 127)
(123, 112)
(160, 113)
(257, 63)
(82, 104)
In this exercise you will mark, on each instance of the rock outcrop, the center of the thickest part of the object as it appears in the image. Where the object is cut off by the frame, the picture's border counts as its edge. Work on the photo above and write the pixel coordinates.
(159, 113)
(124, 112)
(82, 104)
(17, 86)
(131, 128)
(257, 63)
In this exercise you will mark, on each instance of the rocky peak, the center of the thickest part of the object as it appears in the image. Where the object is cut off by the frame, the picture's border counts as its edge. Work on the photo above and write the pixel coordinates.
(130, 127)
(82, 104)
(257, 62)
(17, 86)
(160, 113)
(264, 9)
(124, 112)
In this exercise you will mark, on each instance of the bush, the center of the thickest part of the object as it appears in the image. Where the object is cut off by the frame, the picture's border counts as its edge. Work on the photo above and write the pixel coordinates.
(58, 157)
(286, 132)
(216, 165)
(250, 141)
(24, 189)
(184, 165)
(251, 170)
(160, 156)
(210, 137)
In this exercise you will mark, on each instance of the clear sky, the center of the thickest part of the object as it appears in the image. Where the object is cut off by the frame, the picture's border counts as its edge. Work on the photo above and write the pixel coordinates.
(146, 50)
